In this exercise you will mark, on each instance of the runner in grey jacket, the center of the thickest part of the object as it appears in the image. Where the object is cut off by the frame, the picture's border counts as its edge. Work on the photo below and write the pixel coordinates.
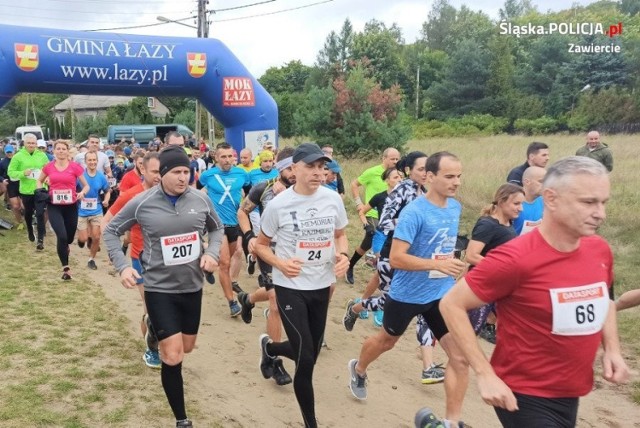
(173, 218)
(159, 218)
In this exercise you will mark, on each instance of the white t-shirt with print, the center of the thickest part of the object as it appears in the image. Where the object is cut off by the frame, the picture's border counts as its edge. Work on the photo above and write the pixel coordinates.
(304, 227)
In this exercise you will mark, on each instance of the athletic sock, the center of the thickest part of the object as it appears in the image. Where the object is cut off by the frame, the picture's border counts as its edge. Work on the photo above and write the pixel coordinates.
(174, 389)
(354, 259)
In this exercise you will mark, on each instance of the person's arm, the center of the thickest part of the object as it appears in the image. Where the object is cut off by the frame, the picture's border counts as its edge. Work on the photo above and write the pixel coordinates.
(355, 192)
(15, 170)
(41, 179)
(608, 161)
(628, 300)
(215, 232)
(453, 307)
(614, 368)
(472, 255)
(85, 188)
(119, 224)
(342, 255)
(399, 258)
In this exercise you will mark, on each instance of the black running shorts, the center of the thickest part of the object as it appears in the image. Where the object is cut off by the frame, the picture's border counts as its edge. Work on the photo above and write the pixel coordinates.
(172, 313)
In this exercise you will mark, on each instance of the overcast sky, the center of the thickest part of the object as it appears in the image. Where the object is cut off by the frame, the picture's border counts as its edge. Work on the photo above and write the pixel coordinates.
(272, 39)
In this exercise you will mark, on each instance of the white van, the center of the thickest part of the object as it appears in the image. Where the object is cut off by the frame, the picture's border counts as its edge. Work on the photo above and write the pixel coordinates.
(29, 129)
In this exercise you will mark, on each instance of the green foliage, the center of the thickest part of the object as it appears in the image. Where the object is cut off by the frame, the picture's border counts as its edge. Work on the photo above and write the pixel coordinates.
(463, 90)
(90, 125)
(187, 118)
(542, 125)
(470, 125)
(288, 104)
(605, 107)
(289, 78)
(381, 46)
(355, 115)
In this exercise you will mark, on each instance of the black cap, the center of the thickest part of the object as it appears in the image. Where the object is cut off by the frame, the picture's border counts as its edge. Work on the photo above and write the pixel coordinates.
(172, 157)
(309, 153)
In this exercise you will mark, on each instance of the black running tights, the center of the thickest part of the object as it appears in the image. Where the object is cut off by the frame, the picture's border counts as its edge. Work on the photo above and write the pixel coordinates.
(29, 202)
(304, 316)
(64, 221)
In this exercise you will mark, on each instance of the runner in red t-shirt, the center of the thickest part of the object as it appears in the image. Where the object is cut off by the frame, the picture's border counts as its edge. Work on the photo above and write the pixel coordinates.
(551, 289)
(150, 170)
(133, 177)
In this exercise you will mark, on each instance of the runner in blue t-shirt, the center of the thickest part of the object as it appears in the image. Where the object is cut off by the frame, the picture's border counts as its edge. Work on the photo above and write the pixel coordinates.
(225, 184)
(90, 208)
(422, 254)
(532, 207)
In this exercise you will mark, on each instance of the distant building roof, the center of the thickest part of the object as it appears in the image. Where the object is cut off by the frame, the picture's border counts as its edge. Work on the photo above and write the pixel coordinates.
(92, 102)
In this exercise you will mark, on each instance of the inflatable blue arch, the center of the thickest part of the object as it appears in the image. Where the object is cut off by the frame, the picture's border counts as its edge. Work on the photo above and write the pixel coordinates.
(74, 62)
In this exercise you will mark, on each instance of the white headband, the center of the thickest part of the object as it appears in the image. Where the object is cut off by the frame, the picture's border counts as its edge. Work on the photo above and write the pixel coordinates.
(284, 164)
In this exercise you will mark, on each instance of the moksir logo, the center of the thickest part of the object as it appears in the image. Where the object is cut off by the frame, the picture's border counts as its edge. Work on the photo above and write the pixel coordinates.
(26, 56)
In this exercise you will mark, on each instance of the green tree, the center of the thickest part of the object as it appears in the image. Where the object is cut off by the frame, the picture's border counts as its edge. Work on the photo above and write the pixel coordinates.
(382, 47)
(630, 7)
(464, 88)
(440, 20)
(187, 118)
(515, 9)
(355, 115)
(289, 78)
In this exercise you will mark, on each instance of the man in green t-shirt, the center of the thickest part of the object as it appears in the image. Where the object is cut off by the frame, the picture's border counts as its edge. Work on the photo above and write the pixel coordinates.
(373, 183)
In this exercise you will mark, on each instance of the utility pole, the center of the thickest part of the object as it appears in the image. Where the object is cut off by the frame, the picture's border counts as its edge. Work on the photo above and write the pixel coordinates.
(417, 91)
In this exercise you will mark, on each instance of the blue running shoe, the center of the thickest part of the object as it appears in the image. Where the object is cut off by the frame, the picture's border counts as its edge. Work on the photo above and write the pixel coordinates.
(364, 314)
(377, 318)
(152, 359)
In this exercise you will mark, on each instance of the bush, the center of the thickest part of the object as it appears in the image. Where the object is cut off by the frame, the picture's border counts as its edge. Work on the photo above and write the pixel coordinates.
(542, 125)
(473, 124)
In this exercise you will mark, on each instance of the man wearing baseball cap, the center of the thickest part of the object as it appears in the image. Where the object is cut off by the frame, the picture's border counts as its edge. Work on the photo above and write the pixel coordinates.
(308, 221)
(173, 217)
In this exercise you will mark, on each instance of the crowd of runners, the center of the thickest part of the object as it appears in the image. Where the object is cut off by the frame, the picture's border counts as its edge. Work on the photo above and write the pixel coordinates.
(534, 278)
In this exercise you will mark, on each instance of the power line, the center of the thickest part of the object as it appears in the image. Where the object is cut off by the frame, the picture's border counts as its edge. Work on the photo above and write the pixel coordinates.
(239, 7)
(273, 13)
(90, 12)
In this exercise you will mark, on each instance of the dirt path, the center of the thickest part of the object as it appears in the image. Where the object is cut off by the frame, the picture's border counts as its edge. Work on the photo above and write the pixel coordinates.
(223, 377)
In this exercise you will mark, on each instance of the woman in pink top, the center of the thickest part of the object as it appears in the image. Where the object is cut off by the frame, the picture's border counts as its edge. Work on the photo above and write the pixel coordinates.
(63, 175)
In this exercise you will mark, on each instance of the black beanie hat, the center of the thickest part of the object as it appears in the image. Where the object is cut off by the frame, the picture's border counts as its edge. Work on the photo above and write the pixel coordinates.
(172, 157)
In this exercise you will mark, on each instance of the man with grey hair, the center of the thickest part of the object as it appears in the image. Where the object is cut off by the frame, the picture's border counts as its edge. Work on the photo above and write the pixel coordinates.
(594, 149)
(555, 306)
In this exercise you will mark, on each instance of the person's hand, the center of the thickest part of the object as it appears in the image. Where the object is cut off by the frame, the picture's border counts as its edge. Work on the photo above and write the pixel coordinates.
(278, 187)
(208, 263)
(290, 267)
(128, 277)
(614, 368)
(27, 172)
(80, 196)
(252, 246)
(370, 229)
(342, 264)
(452, 267)
(496, 393)
(105, 203)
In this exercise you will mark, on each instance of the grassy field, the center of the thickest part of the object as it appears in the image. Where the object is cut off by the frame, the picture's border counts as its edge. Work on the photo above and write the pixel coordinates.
(67, 356)
(69, 359)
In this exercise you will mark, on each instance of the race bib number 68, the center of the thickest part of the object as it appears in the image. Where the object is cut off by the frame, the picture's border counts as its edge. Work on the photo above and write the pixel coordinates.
(579, 311)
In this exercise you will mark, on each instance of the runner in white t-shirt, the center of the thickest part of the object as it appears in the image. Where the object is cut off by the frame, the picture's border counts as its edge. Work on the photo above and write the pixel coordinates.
(309, 222)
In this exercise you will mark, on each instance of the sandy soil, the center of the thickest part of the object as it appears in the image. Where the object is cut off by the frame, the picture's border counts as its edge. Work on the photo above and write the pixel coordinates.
(223, 379)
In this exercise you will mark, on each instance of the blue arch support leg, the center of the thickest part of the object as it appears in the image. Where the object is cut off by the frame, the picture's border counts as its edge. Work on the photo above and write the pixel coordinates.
(73, 62)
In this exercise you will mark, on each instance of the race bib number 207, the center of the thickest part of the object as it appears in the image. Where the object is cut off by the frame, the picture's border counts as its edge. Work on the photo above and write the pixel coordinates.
(180, 249)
